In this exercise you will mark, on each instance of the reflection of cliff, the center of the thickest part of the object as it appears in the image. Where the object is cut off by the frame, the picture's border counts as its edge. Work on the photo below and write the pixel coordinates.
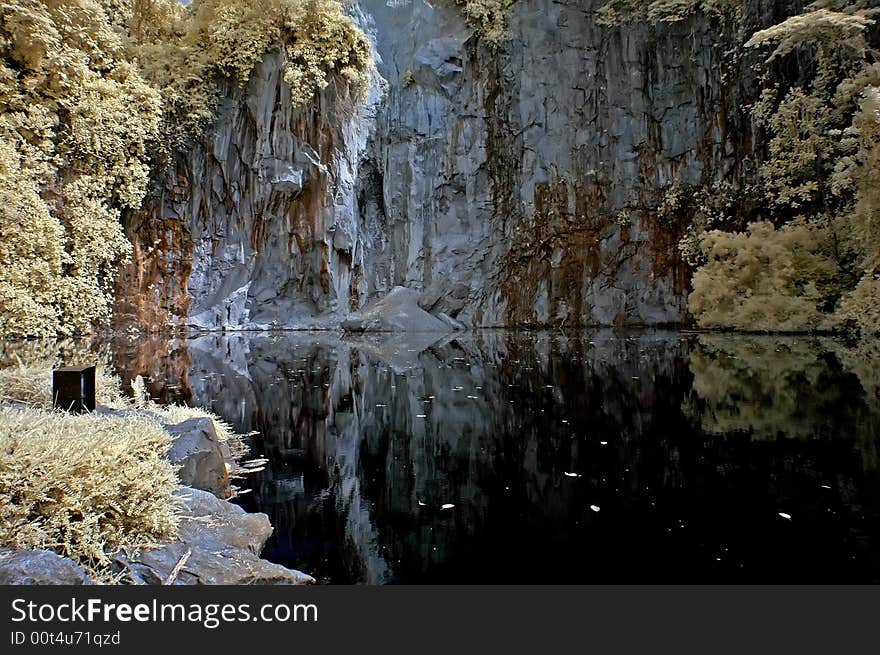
(524, 435)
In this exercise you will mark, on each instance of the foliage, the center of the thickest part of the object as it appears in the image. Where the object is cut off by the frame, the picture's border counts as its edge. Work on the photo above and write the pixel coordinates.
(619, 12)
(705, 207)
(187, 53)
(766, 279)
(75, 129)
(818, 179)
(87, 486)
(94, 94)
(839, 37)
(488, 16)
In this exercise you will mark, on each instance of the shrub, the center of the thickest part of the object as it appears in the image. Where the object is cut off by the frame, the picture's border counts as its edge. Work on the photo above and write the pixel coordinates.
(766, 279)
(87, 486)
(488, 16)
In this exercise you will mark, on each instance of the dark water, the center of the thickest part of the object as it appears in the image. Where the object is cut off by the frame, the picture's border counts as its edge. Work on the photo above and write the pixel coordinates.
(549, 457)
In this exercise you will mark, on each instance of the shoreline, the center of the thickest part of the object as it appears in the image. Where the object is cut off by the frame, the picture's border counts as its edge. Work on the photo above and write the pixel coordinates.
(217, 542)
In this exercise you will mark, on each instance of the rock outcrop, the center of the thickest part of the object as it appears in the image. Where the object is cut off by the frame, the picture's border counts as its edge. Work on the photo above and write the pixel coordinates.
(514, 186)
(219, 544)
(197, 450)
(399, 311)
(39, 567)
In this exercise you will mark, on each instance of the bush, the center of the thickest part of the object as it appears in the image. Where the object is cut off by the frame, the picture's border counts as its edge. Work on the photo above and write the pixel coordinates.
(488, 16)
(87, 486)
(766, 279)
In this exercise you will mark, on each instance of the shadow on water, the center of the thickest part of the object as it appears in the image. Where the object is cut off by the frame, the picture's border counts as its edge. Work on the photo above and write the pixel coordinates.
(575, 457)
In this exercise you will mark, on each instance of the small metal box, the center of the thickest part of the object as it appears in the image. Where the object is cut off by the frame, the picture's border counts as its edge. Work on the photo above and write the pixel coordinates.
(73, 389)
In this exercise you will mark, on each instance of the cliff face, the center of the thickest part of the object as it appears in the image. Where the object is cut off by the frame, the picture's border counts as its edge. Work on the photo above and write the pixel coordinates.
(510, 187)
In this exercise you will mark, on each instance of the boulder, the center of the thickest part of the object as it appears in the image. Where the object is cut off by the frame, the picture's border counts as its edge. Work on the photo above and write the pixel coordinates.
(219, 544)
(199, 453)
(39, 567)
(399, 311)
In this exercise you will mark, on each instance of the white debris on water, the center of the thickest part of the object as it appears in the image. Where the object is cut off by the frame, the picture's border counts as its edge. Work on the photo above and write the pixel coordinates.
(572, 475)
(595, 508)
(447, 506)
(785, 516)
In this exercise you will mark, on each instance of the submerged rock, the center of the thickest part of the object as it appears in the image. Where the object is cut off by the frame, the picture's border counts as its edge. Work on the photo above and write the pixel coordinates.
(399, 311)
(199, 453)
(39, 567)
(219, 544)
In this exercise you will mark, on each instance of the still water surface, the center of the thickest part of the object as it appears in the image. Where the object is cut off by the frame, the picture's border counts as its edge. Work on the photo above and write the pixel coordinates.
(548, 457)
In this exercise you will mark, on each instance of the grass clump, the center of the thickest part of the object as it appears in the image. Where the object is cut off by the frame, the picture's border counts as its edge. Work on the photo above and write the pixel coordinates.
(84, 486)
(32, 385)
(88, 486)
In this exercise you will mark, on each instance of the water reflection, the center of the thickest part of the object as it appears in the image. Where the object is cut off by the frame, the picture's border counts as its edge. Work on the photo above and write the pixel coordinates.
(549, 457)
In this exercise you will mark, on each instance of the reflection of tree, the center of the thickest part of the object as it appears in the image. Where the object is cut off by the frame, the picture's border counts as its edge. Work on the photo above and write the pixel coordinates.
(863, 360)
(780, 386)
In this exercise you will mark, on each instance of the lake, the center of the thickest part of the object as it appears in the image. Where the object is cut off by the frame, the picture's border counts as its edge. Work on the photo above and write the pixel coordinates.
(547, 457)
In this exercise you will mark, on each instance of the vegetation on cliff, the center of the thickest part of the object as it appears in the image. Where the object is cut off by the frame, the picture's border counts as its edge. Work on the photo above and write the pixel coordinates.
(76, 126)
(817, 269)
(809, 258)
(188, 53)
(488, 17)
(93, 95)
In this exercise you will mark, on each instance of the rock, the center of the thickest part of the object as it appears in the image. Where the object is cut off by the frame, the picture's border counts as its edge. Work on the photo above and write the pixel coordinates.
(399, 311)
(223, 542)
(199, 454)
(39, 567)
(514, 186)
(451, 322)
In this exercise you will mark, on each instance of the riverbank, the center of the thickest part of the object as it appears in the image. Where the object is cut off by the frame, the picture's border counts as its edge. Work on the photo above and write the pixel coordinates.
(134, 493)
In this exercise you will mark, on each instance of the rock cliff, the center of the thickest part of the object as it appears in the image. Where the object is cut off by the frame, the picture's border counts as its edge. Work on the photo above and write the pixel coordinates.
(514, 186)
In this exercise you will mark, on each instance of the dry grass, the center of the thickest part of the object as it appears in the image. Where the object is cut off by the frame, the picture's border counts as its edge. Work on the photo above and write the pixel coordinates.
(84, 486)
(31, 384)
(87, 486)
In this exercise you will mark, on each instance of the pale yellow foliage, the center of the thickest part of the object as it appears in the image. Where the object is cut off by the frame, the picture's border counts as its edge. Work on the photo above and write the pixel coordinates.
(31, 384)
(187, 53)
(31, 252)
(76, 125)
(488, 17)
(620, 12)
(80, 127)
(829, 30)
(860, 308)
(87, 486)
(823, 162)
(84, 486)
(766, 279)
